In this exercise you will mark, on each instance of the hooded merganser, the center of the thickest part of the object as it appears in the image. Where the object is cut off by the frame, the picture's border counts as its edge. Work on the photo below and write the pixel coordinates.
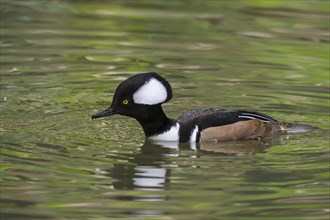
(142, 95)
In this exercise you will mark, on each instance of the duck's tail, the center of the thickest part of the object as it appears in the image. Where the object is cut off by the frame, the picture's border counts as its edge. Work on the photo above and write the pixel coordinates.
(295, 128)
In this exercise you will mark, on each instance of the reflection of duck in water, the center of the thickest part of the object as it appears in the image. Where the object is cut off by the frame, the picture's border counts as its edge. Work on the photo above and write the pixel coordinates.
(149, 169)
(142, 95)
(145, 170)
(241, 148)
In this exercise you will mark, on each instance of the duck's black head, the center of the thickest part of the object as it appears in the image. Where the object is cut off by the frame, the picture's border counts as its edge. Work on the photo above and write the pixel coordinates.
(139, 97)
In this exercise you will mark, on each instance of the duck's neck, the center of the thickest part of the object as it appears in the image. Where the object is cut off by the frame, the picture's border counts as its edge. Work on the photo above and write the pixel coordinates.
(155, 121)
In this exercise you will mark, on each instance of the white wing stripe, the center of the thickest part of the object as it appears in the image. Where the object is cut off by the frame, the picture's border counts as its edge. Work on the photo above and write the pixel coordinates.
(257, 116)
(249, 117)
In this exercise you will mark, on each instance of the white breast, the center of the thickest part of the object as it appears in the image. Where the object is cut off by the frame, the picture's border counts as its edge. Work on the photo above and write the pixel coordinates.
(169, 135)
(193, 136)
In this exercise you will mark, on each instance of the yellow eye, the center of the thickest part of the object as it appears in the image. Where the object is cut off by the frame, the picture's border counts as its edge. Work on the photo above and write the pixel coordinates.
(125, 101)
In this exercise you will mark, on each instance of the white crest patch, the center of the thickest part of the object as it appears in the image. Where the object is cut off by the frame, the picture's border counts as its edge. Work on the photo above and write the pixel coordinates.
(169, 135)
(151, 93)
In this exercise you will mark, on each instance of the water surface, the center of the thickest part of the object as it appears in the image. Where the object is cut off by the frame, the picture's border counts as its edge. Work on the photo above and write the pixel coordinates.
(62, 60)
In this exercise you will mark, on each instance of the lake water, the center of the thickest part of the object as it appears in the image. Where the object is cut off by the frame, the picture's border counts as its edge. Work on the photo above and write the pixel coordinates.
(62, 60)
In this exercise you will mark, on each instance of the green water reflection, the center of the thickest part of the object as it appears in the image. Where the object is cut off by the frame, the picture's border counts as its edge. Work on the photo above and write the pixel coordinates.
(62, 60)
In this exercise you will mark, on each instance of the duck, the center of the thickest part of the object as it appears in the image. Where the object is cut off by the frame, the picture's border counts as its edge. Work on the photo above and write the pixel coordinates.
(141, 97)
